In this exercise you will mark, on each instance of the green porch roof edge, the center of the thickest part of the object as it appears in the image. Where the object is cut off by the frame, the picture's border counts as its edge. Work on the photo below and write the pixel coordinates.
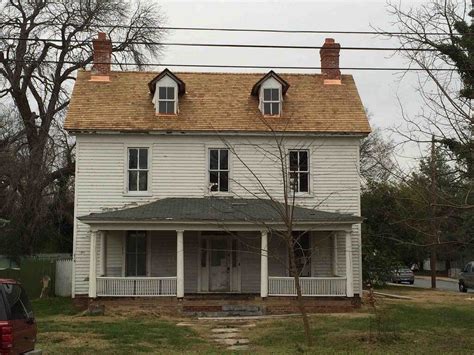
(216, 209)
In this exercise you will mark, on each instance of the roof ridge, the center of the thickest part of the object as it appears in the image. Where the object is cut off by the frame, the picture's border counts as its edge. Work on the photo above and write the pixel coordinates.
(209, 72)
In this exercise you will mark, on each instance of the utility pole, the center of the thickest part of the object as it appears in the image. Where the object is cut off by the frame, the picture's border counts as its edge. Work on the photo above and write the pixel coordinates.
(434, 221)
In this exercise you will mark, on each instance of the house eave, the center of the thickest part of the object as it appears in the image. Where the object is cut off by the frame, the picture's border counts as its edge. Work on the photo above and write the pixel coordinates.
(220, 133)
(217, 225)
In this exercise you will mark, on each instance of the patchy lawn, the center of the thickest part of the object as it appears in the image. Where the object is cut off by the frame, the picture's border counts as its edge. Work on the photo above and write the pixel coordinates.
(62, 330)
(433, 322)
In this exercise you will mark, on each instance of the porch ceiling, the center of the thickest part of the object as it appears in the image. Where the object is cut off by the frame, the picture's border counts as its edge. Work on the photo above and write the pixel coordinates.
(217, 210)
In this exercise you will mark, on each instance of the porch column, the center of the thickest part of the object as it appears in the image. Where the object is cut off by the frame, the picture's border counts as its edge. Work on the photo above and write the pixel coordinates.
(179, 264)
(349, 266)
(264, 266)
(93, 265)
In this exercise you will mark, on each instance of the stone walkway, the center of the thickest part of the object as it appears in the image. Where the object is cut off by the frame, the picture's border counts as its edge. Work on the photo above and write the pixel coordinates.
(228, 334)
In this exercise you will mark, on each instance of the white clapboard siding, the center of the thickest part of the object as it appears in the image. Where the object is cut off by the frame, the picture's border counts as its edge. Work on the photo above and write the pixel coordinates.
(179, 169)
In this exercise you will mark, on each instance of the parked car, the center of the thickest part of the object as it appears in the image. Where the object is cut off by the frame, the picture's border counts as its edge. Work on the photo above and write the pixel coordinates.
(403, 274)
(466, 278)
(17, 323)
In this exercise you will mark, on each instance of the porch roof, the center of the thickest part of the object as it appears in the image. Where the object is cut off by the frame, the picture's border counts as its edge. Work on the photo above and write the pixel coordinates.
(217, 210)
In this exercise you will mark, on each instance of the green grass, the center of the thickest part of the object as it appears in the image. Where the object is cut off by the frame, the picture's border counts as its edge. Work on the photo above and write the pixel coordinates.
(398, 329)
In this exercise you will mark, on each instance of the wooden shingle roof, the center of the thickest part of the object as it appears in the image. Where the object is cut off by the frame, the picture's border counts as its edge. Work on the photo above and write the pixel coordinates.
(215, 102)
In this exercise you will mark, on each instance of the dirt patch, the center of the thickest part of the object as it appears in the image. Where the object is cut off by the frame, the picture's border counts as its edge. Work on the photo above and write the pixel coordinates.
(76, 340)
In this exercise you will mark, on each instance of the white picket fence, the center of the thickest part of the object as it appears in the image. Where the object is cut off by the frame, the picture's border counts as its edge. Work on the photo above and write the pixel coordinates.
(63, 281)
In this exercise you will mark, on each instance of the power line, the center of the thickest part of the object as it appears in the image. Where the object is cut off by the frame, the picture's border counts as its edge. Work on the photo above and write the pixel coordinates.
(266, 30)
(230, 66)
(228, 45)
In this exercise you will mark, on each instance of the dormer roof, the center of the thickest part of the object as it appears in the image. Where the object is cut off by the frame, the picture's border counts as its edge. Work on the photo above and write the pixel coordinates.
(270, 74)
(167, 72)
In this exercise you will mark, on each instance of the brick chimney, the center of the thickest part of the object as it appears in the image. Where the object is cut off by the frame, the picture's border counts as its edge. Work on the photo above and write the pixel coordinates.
(330, 62)
(102, 58)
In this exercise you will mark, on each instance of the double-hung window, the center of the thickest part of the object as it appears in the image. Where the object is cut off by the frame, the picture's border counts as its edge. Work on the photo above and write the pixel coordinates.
(271, 102)
(166, 100)
(137, 169)
(219, 170)
(135, 259)
(299, 170)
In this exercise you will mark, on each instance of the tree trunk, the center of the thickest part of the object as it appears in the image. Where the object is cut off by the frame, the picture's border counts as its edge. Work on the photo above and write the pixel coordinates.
(299, 296)
(433, 262)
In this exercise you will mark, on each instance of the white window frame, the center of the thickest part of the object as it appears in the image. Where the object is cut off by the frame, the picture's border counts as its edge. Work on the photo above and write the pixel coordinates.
(166, 100)
(208, 171)
(271, 102)
(127, 191)
(299, 172)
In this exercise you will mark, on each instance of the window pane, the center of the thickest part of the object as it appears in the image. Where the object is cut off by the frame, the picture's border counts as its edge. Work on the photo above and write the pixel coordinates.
(143, 180)
(141, 242)
(275, 108)
(143, 158)
(170, 93)
(275, 95)
(131, 265)
(293, 161)
(303, 161)
(162, 93)
(132, 158)
(141, 264)
(132, 181)
(294, 181)
(224, 159)
(131, 245)
(224, 181)
(213, 179)
(170, 107)
(267, 94)
(267, 109)
(162, 108)
(213, 159)
(304, 183)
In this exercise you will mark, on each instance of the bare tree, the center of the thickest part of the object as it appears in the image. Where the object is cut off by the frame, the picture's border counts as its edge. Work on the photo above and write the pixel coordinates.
(438, 38)
(42, 45)
(277, 187)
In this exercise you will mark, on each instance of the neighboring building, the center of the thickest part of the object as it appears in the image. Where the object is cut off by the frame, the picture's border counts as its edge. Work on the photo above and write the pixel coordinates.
(167, 195)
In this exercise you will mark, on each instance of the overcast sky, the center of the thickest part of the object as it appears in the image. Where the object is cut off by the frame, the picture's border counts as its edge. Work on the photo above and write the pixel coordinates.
(379, 90)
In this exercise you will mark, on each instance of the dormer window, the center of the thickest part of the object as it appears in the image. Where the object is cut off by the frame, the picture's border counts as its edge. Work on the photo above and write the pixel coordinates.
(166, 100)
(166, 89)
(270, 90)
(271, 102)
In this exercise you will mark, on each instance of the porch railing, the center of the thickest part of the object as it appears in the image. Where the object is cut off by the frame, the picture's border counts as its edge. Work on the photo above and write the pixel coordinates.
(136, 286)
(310, 286)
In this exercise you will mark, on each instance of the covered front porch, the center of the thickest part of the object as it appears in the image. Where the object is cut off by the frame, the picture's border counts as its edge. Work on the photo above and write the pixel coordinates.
(149, 258)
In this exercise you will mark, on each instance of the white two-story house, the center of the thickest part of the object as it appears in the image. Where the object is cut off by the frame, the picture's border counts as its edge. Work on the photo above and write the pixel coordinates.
(178, 177)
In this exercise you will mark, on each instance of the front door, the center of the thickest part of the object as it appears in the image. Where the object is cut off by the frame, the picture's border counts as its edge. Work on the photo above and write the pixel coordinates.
(219, 266)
